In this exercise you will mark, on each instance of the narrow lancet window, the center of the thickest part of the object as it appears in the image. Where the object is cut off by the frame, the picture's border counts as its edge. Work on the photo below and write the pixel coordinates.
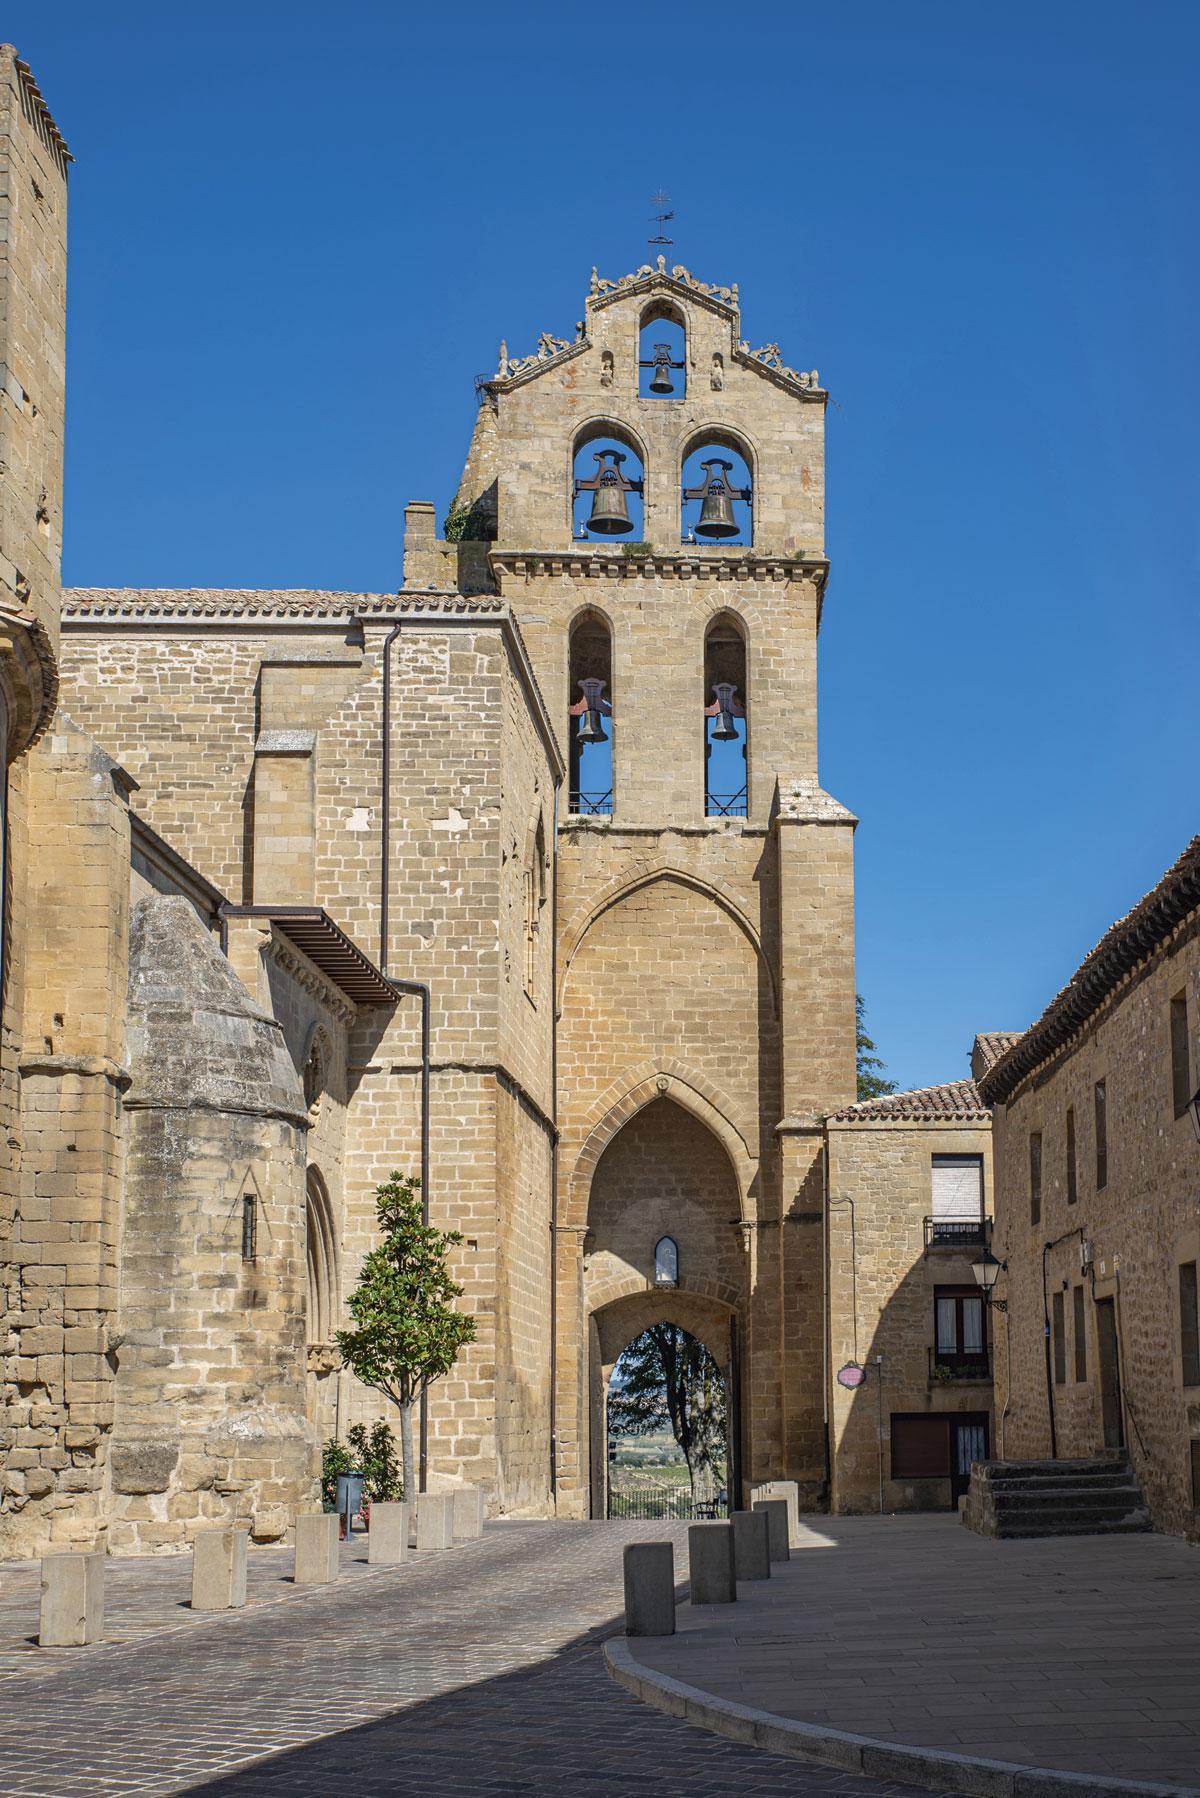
(726, 739)
(590, 718)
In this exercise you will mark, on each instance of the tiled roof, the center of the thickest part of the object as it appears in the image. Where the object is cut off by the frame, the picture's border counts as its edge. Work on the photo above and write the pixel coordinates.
(227, 602)
(958, 1102)
(1126, 943)
(992, 1043)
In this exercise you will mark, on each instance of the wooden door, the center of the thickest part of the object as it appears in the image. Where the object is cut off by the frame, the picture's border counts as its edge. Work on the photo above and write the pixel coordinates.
(1110, 1373)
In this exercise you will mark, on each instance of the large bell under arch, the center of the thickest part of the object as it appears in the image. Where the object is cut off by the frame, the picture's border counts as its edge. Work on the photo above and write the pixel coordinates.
(607, 490)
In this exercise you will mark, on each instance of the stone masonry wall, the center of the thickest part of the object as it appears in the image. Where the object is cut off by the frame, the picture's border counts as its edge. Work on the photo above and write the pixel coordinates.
(1141, 1226)
(881, 1299)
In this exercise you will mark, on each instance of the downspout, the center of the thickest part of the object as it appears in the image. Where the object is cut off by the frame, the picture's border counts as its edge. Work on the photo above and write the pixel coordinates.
(825, 1318)
(554, 1165)
(418, 987)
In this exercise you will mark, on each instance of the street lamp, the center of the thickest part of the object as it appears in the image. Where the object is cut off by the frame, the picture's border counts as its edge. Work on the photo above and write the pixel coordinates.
(987, 1271)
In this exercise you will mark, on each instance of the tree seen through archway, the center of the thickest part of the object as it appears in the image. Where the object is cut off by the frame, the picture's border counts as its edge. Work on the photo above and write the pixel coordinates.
(668, 1383)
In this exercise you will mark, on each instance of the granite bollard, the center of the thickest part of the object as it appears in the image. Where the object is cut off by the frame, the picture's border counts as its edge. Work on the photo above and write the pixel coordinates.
(751, 1545)
(316, 1547)
(649, 1589)
(468, 1513)
(72, 1611)
(219, 1569)
(789, 1491)
(435, 1520)
(776, 1513)
(711, 1578)
(387, 1536)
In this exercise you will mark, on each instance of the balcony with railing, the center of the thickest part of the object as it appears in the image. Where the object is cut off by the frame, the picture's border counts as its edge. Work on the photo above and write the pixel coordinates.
(953, 1368)
(590, 805)
(957, 1232)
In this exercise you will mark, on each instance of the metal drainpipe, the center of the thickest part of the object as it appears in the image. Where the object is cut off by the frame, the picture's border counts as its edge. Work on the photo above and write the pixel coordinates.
(418, 987)
(554, 1164)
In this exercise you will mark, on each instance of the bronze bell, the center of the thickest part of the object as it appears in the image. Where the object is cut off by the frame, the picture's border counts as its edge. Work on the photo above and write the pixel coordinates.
(724, 730)
(610, 513)
(591, 716)
(661, 380)
(716, 513)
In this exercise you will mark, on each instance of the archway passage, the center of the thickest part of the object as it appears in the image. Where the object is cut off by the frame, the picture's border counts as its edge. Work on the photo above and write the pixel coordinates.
(667, 1428)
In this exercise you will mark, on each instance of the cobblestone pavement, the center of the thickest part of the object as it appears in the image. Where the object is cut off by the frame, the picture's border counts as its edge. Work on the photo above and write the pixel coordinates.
(478, 1670)
(1080, 1653)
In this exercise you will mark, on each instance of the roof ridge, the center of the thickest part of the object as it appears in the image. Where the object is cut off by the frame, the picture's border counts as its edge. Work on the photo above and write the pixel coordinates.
(1124, 944)
(961, 1099)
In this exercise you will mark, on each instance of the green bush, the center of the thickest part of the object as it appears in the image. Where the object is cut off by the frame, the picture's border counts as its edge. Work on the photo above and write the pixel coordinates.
(371, 1454)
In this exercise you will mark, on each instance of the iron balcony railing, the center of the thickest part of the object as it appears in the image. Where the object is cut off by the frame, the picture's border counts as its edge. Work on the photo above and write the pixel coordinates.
(946, 1368)
(591, 805)
(726, 805)
(956, 1232)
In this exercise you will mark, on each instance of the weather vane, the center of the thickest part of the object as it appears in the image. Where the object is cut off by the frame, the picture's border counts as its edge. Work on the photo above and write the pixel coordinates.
(662, 216)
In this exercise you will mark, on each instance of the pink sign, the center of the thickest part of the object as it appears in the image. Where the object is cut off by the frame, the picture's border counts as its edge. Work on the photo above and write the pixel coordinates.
(851, 1375)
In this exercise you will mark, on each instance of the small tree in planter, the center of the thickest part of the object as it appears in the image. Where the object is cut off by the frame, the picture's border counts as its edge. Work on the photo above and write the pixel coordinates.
(407, 1333)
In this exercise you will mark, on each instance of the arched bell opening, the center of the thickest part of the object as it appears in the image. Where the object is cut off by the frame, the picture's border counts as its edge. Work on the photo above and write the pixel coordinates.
(666, 1427)
(718, 492)
(662, 353)
(726, 720)
(590, 717)
(608, 479)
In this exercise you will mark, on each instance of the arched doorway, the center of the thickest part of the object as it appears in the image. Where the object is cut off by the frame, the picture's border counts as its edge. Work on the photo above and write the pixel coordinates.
(663, 1246)
(667, 1428)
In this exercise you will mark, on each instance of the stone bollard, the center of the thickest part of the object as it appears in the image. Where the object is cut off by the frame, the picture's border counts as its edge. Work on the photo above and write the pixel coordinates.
(435, 1520)
(468, 1513)
(316, 1547)
(751, 1545)
(219, 1570)
(72, 1614)
(776, 1513)
(649, 1589)
(387, 1537)
(789, 1491)
(711, 1578)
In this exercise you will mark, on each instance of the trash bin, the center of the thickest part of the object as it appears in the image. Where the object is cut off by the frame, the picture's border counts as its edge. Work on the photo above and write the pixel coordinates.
(349, 1497)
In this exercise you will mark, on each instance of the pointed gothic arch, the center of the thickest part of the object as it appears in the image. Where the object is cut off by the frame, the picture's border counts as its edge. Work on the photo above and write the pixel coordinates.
(322, 1258)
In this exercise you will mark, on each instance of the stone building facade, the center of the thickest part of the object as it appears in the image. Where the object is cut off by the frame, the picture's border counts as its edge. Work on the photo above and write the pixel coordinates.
(909, 1339)
(278, 831)
(1097, 1168)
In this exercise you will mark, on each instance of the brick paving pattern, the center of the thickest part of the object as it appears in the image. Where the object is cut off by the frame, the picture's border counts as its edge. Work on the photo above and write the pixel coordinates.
(478, 1670)
(1077, 1653)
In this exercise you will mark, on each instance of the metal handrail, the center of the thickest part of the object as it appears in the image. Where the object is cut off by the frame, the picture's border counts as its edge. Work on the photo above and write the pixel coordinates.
(958, 1366)
(955, 1232)
(725, 805)
(591, 805)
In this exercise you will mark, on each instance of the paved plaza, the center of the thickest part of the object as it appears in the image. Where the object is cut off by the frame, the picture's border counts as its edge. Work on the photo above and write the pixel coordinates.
(1076, 1653)
(477, 1670)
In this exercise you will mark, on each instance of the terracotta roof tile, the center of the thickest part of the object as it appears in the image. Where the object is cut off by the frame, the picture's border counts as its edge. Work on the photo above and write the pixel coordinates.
(958, 1102)
(1126, 943)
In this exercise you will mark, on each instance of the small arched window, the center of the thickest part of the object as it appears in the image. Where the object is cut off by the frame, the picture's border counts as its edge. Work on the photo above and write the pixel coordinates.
(662, 353)
(590, 717)
(726, 725)
(718, 493)
(666, 1262)
(608, 478)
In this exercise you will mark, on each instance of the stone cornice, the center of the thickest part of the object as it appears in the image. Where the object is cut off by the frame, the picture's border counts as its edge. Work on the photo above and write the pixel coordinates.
(285, 956)
(682, 564)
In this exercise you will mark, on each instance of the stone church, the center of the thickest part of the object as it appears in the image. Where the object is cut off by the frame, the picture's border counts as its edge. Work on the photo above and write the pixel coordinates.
(521, 876)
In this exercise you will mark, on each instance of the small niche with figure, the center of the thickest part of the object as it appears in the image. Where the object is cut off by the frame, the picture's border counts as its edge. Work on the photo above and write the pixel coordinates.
(726, 740)
(662, 353)
(590, 718)
(608, 485)
(718, 494)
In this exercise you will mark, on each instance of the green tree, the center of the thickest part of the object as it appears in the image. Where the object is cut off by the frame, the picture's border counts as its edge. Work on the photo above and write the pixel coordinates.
(407, 1332)
(666, 1376)
(872, 1080)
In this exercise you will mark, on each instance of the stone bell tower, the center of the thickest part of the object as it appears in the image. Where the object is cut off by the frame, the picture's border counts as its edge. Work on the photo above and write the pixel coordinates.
(652, 495)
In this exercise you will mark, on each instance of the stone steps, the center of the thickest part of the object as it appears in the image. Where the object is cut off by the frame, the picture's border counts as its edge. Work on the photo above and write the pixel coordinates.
(1096, 1496)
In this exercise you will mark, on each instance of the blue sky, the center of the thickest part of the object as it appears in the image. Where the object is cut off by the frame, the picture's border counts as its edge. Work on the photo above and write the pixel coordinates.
(298, 232)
